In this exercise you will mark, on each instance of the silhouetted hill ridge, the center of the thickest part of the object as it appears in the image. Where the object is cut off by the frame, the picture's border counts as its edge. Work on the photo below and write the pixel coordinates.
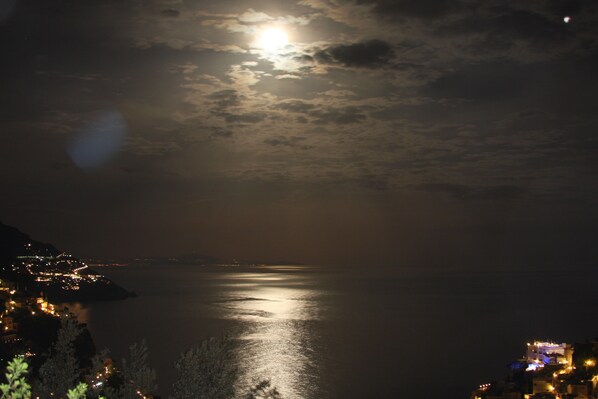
(14, 242)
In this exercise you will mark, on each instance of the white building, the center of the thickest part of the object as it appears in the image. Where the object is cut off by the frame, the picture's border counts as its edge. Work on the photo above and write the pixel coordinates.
(543, 353)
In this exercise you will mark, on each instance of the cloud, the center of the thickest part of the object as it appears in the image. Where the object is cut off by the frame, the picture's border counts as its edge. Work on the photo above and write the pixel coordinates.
(373, 182)
(505, 23)
(425, 9)
(339, 116)
(252, 17)
(249, 117)
(142, 146)
(429, 102)
(292, 142)
(461, 191)
(569, 7)
(322, 114)
(225, 98)
(369, 54)
(170, 13)
(484, 81)
(220, 132)
(295, 106)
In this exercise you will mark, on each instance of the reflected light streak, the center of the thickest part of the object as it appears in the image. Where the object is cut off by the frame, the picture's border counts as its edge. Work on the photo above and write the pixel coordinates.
(277, 343)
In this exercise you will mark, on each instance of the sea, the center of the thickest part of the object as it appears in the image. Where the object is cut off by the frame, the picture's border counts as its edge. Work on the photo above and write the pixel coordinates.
(333, 332)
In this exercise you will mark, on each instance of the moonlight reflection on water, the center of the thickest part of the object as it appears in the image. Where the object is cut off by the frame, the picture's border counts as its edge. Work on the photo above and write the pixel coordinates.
(321, 333)
(277, 343)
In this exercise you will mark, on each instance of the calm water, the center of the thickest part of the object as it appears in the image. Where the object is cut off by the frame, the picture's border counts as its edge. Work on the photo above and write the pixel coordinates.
(329, 333)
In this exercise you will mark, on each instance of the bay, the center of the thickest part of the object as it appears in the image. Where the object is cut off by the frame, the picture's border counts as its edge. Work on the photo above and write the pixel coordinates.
(320, 332)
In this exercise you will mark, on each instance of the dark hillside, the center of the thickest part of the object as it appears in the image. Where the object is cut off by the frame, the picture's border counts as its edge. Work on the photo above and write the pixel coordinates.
(13, 243)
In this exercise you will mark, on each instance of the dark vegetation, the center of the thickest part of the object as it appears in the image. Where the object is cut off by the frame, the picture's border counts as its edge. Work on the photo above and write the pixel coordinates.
(70, 368)
(13, 243)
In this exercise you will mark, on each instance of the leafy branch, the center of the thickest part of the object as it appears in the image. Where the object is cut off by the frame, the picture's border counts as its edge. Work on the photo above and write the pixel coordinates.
(16, 386)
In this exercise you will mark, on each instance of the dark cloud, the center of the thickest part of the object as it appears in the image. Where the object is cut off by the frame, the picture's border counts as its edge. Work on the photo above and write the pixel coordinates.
(490, 45)
(455, 190)
(225, 98)
(370, 54)
(498, 193)
(170, 13)
(523, 24)
(339, 116)
(295, 106)
(484, 81)
(425, 9)
(304, 58)
(249, 117)
(568, 7)
(220, 132)
(510, 24)
(321, 27)
(292, 142)
(323, 115)
(373, 182)
(461, 191)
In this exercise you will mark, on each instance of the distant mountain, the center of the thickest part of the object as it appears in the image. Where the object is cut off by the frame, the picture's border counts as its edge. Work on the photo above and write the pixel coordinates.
(187, 259)
(205, 260)
(14, 242)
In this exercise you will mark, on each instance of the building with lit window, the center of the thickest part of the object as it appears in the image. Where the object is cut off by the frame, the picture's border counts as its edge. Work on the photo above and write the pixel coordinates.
(540, 354)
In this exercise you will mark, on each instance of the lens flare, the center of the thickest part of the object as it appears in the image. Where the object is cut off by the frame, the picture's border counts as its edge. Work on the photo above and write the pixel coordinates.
(98, 142)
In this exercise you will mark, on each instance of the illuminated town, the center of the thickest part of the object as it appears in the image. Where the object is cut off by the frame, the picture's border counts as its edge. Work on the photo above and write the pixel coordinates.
(18, 308)
(64, 271)
(14, 305)
(59, 276)
(35, 282)
(548, 371)
(32, 283)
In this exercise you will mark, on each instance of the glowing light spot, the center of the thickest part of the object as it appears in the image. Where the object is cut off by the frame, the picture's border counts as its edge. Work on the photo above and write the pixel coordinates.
(272, 39)
(99, 141)
(7, 8)
(567, 19)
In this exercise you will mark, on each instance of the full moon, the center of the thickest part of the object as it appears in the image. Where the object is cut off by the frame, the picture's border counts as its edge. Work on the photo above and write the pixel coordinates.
(272, 39)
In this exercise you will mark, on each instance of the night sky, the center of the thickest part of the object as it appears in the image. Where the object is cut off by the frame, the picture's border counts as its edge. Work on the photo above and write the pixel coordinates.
(410, 133)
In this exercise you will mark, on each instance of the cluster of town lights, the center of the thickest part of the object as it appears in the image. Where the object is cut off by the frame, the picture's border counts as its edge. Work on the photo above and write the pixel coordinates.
(559, 359)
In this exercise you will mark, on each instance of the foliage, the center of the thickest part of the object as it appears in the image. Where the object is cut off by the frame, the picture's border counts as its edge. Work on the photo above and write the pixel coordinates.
(207, 371)
(61, 370)
(263, 390)
(16, 386)
(139, 380)
(96, 374)
(78, 392)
